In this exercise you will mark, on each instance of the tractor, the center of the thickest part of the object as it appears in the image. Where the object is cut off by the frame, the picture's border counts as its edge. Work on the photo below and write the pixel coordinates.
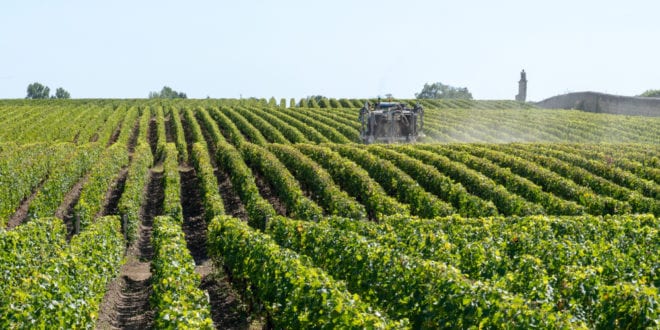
(391, 122)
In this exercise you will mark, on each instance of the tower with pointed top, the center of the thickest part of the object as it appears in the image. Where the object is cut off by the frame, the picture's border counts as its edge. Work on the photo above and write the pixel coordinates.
(522, 87)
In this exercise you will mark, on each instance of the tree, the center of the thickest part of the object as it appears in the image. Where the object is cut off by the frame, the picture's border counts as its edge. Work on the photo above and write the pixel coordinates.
(167, 93)
(441, 91)
(651, 93)
(61, 93)
(37, 91)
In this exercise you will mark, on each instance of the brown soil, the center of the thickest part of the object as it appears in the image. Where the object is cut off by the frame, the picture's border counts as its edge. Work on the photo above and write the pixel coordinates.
(134, 136)
(227, 309)
(114, 194)
(232, 202)
(65, 210)
(22, 212)
(194, 224)
(153, 136)
(115, 136)
(269, 194)
(153, 208)
(126, 302)
(187, 133)
(169, 130)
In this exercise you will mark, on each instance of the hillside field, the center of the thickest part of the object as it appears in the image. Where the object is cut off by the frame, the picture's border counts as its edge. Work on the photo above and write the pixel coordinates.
(263, 214)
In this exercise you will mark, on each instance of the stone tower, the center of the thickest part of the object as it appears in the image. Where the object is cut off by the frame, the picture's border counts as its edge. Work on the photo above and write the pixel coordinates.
(522, 87)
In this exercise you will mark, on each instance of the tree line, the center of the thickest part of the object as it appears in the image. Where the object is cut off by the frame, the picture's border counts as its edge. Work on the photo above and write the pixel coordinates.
(38, 91)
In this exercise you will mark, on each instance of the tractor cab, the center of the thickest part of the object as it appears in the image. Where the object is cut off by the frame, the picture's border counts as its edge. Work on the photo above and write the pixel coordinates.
(390, 122)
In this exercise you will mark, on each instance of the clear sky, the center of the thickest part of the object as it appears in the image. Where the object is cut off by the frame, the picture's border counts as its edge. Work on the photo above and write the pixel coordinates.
(340, 48)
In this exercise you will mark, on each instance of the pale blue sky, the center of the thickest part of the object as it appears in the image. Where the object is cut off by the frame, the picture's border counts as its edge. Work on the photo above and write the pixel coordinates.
(341, 48)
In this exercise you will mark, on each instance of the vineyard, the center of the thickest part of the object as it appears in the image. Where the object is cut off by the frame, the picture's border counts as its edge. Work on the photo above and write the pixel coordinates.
(258, 213)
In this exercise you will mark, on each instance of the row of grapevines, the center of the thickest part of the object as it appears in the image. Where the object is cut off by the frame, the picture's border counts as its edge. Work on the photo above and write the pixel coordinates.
(208, 183)
(614, 158)
(476, 183)
(176, 296)
(331, 116)
(179, 137)
(23, 170)
(210, 126)
(308, 131)
(128, 126)
(429, 294)
(172, 183)
(251, 132)
(396, 182)
(7, 147)
(292, 292)
(551, 181)
(66, 291)
(24, 249)
(133, 196)
(280, 179)
(568, 261)
(193, 126)
(161, 134)
(312, 120)
(339, 132)
(638, 202)
(345, 103)
(111, 126)
(617, 175)
(228, 127)
(29, 129)
(355, 181)
(61, 179)
(18, 119)
(435, 182)
(102, 175)
(318, 182)
(143, 129)
(514, 183)
(271, 133)
(291, 133)
(230, 161)
(64, 127)
(92, 127)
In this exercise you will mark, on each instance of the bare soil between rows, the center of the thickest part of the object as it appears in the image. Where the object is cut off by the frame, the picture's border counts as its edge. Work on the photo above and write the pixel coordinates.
(126, 302)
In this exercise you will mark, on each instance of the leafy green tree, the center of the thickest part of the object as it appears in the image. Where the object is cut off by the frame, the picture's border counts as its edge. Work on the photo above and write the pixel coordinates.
(61, 93)
(272, 102)
(37, 91)
(167, 93)
(651, 93)
(441, 91)
(292, 103)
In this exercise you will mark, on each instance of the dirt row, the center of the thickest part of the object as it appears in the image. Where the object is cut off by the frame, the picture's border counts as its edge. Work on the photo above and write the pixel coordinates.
(126, 302)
